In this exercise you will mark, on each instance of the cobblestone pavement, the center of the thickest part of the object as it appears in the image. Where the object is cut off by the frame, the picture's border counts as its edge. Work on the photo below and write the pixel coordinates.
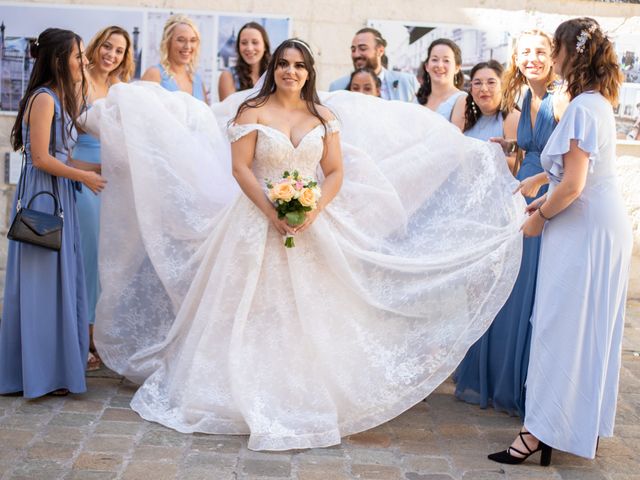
(97, 436)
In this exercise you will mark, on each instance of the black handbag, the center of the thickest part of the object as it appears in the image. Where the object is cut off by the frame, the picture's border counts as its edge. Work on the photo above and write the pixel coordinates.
(33, 226)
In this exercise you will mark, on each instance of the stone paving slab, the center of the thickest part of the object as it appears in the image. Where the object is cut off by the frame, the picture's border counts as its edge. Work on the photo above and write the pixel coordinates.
(96, 436)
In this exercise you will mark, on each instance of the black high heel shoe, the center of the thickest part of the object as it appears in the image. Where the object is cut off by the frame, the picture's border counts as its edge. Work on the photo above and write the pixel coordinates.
(506, 457)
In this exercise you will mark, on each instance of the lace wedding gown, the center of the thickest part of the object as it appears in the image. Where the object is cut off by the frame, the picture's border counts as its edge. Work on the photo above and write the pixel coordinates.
(231, 333)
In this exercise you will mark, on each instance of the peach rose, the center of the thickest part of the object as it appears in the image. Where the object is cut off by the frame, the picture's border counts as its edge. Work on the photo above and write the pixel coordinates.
(307, 198)
(282, 191)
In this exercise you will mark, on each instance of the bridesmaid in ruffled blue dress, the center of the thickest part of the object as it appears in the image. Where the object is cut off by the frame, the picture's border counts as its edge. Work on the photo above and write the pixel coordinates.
(110, 61)
(179, 49)
(578, 316)
(494, 370)
(44, 333)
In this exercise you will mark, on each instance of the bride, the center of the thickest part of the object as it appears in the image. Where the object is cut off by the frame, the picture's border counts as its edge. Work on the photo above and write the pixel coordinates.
(414, 248)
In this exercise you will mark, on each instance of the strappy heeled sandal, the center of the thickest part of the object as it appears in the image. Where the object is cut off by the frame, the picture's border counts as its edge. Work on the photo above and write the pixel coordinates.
(506, 457)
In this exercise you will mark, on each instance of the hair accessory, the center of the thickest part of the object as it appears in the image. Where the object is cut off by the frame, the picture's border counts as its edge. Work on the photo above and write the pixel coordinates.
(36, 43)
(585, 35)
(300, 42)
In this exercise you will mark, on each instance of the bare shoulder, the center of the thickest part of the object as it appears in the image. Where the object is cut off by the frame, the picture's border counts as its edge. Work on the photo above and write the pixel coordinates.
(152, 74)
(513, 118)
(326, 114)
(41, 103)
(511, 124)
(560, 103)
(248, 115)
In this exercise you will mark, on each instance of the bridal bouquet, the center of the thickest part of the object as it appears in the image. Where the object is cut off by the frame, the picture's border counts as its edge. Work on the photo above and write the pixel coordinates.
(293, 196)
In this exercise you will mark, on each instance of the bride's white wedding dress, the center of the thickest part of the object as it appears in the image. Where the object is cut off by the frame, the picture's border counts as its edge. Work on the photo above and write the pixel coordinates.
(229, 332)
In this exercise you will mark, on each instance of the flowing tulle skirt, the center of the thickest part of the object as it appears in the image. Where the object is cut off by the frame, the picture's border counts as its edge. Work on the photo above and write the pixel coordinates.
(231, 333)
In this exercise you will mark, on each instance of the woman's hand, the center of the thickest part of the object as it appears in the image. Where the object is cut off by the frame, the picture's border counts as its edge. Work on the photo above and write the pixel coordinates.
(310, 217)
(533, 225)
(508, 146)
(529, 187)
(535, 205)
(93, 181)
(280, 224)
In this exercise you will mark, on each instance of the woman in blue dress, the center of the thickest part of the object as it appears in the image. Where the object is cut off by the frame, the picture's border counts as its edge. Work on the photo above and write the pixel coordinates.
(442, 81)
(110, 61)
(179, 52)
(484, 115)
(44, 333)
(253, 53)
(583, 273)
(494, 370)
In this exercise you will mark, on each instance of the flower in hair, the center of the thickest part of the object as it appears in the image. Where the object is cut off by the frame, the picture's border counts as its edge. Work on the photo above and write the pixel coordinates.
(585, 35)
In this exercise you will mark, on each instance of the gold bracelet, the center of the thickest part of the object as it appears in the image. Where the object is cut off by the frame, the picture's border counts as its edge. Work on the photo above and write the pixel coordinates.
(542, 214)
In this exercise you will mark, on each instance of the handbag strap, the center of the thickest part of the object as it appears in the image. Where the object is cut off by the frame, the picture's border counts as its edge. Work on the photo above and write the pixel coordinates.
(52, 151)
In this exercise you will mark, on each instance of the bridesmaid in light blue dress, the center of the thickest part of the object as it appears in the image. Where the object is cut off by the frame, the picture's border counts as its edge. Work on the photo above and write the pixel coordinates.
(179, 48)
(578, 315)
(446, 108)
(442, 81)
(87, 149)
(494, 370)
(110, 58)
(168, 83)
(253, 52)
(44, 332)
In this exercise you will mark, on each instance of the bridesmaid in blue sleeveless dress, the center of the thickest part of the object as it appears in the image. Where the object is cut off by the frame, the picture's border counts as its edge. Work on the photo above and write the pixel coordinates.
(44, 333)
(253, 52)
(486, 127)
(446, 108)
(494, 370)
(87, 149)
(168, 83)
(179, 47)
(442, 81)
(110, 61)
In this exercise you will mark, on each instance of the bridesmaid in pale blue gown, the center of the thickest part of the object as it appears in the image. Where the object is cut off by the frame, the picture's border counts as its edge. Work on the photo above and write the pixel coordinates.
(494, 370)
(578, 315)
(484, 117)
(179, 50)
(253, 52)
(44, 333)
(110, 61)
(442, 81)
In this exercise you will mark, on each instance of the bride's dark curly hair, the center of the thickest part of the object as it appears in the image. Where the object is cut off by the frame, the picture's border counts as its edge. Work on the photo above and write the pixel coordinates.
(309, 93)
(590, 61)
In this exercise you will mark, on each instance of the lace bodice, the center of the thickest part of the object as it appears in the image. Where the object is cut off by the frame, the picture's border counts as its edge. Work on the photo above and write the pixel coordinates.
(275, 152)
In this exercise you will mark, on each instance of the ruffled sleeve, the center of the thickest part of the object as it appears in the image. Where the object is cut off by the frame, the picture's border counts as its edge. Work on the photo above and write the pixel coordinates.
(579, 123)
(235, 132)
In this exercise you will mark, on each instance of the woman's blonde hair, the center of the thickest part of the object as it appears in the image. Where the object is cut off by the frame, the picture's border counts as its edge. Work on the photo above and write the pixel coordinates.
(513, 80)
(167, 34)
(127, 66)
(591, 62)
